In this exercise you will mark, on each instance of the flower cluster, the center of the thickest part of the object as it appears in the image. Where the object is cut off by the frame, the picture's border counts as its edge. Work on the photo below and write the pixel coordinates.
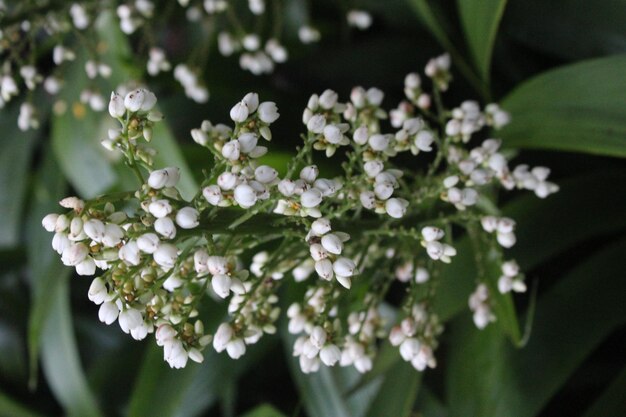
(350, 240)
(76, 31)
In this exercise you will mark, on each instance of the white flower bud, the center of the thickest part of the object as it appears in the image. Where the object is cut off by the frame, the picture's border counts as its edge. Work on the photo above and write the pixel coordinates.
(167, 177)
(116, 106)
(265, 174)
(383, 190)
(424, 140)
(231, 150)
(311, 198)
(318, 337)
(60, 242)
(187, 218)
(251, 100)
(247, 142)
(309, 173)
(223, 335)
(375, 96)
(489, 223)
(332, 243)
(160, 208)
(217, 265)
(86, 267)
(73, 203)
(368, 199)
(129, 253)
(236, 348)
(245, 195)
(134, 100)
(221, 285)
(506, 240)
(361, 135)
(421, 275)
(316, 123)
(318, 252)
(227, 180)
(213, 194)
(379, 142)
(344, 267)
(510, 269)
(165, 227)
(108, 312)
(74, 254)
(148, 242)
(396, 207)
(332, 134)
(166, 255)
(49, 222)
(130, 319)
(324, 269)
(268, 112)
(434, 249)
(97, 291)
(328, 99)
(320, 227)
(239, 112)
(409, 349)
(373, 168)
(430, 233)
(330, 355)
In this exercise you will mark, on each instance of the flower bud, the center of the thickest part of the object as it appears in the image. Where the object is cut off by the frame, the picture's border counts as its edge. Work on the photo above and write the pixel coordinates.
(134, 100)
(268, 112)
(187, 218)
(129, 253)
(245, 195)
(165, 227)
(148, 242)
(344, 267)
(160, 208)
(223, 335)
(166, 255)
(311, 198)
(324, 268)
(221, 285)
(320, 227)
(231, 150)
(396, 207)
(116, 106)
(309, 173)
(108, 312)
(430, 233)
(239, 112)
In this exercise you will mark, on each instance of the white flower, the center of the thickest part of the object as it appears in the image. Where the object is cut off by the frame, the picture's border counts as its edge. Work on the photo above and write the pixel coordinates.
(239, 112)
(74, 254)
(268, 112)
(148, 242)
(166, 255)
(330, 355)
(236, 348)
(318, 337)
(320, 227)
(187, 217)
(308, 34)
(129, 253)
(332, 243)
(309, 173)
(130, 319)
(108, 312)
(311, 198)
(265, 174)
(223, 335)
(245, 195)
(167, 177)
(221, 285)
(116, 106)
(360, 19)
(431, 233)
(379, 142)
(49, 222)
(97, 291)
(344, 267)
(176, 355)
(86, 267)
(160, 208)
(231, 150)
(324, 268)
(316, 123)
(395, 207)
(213, 194)
(165, 227)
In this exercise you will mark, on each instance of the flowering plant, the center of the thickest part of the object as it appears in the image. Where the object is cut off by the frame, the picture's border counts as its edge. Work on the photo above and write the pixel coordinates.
(161, 254)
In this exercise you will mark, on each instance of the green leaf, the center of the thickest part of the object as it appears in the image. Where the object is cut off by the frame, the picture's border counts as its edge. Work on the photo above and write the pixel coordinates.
(264, 410)
(612, 402)
(480, 20)
(571, 29)
(11, 408)
(579, 107)
(76, 141)
(487, 377)
(59, 355)
(48, 188)
(397, 393)
(16, 149)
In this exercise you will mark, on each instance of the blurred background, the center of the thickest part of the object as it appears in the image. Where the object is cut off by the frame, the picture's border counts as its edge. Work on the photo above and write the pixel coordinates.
(558, 67)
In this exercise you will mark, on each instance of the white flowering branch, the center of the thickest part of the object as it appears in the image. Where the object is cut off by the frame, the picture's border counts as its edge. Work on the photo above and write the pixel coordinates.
(247, 229)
